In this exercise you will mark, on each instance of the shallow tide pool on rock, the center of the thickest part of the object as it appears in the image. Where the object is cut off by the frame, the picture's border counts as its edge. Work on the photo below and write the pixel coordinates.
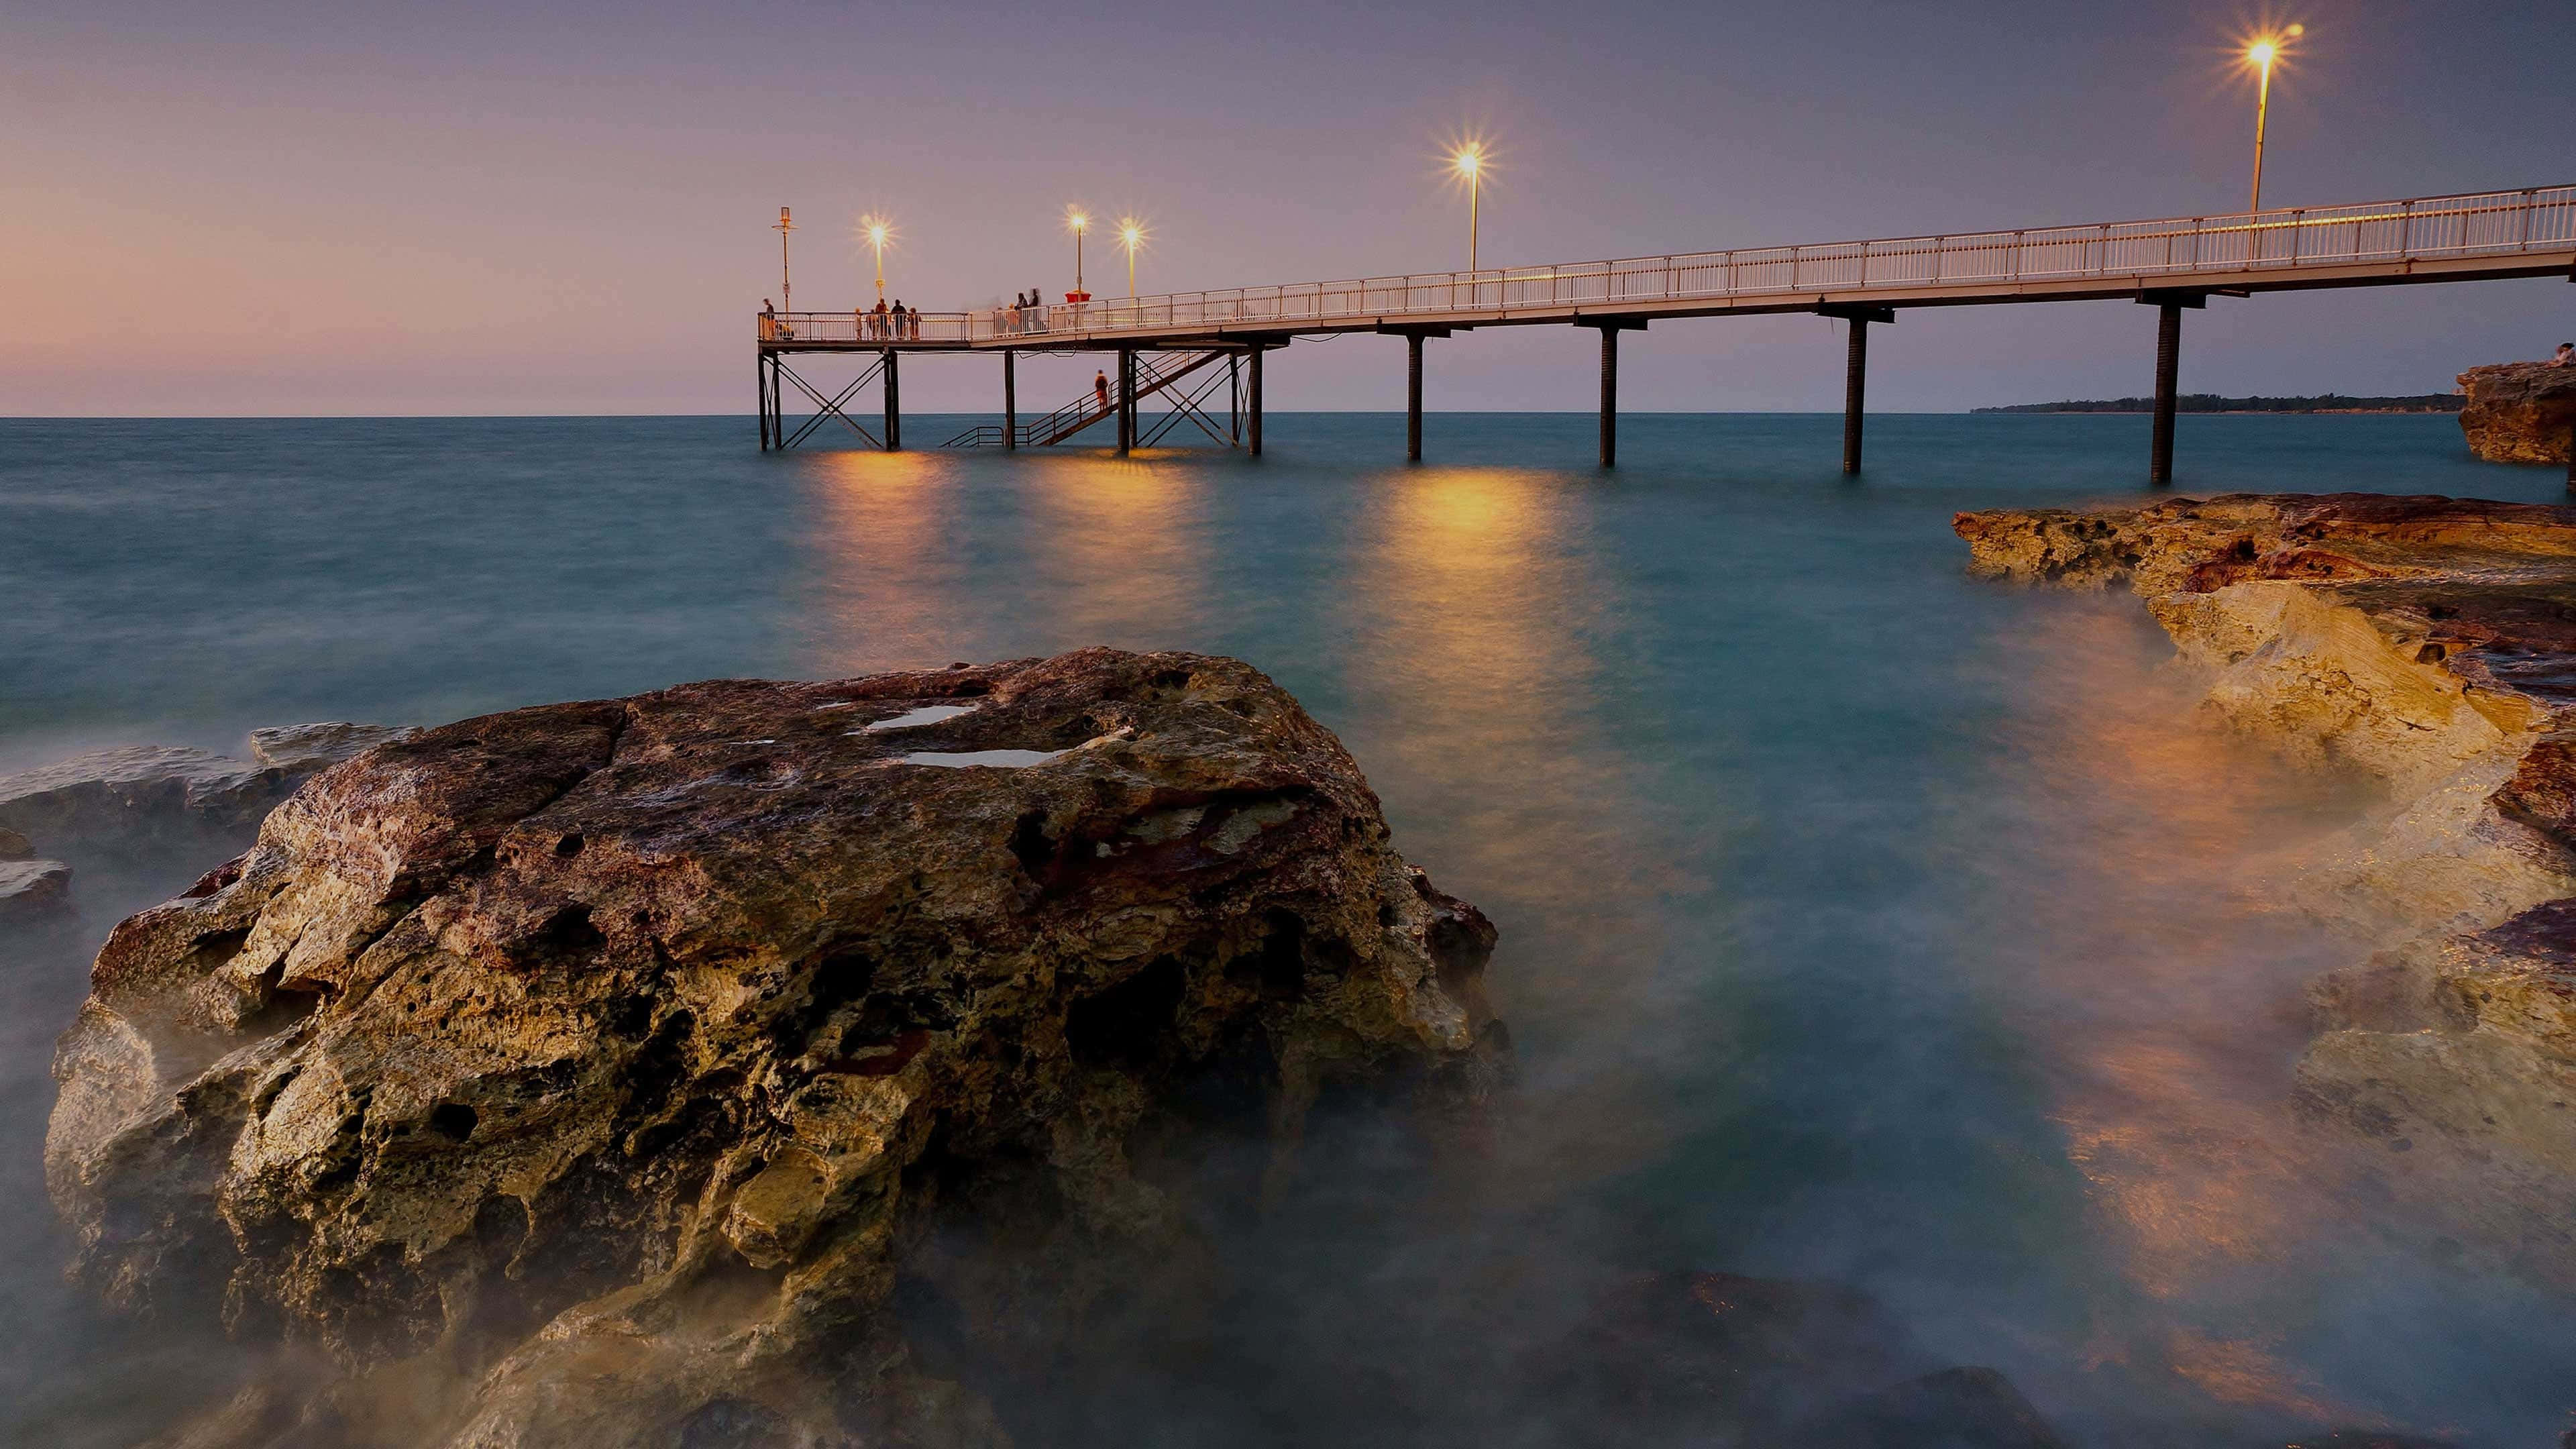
(989, 759)
(1860, 921)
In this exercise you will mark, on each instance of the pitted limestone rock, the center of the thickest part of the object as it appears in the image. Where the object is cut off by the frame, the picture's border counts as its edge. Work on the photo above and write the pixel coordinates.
(577, 1073)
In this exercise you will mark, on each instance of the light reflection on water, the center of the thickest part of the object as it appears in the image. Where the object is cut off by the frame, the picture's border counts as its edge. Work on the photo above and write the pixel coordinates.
(1859, 920)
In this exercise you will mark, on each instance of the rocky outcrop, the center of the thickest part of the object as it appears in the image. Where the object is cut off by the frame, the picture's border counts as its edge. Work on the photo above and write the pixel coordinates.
(2520, 412)
(2429, 643)
(632, 1072)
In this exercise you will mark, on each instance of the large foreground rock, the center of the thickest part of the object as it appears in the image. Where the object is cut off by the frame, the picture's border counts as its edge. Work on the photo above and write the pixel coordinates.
(2429, 643)
(2519, 412)
(612, 1073)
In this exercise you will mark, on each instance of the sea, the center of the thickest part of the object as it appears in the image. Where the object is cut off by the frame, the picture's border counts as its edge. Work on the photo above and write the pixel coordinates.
(1860, 921)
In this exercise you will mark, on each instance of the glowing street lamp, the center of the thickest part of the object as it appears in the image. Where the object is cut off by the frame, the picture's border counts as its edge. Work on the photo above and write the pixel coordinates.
(2260, 55)
(1470, 163)
(1074, 219)
(876, 229)
(1131, 235)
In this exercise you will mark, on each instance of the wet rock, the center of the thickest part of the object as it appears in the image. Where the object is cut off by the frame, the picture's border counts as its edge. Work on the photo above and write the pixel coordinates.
(14, 846)
(2429, 643)
(30, 889)
(1717, 1358)
(1957, 1408)
(139, 794)
(2519, 412)
(306, 748)
(594, 1073)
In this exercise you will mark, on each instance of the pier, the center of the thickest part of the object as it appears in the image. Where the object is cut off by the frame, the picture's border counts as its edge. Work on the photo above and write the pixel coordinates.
(1167, 346)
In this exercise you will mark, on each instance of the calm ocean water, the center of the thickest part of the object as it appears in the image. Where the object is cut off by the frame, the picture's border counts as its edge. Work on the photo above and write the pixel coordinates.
(1859, 920)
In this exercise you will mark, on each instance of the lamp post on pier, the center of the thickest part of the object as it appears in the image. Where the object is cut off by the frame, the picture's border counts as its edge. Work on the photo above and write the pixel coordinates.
(2260, 55)
(1470, 162)
(877, 231)
(1131, 235)
(786, 294)
(1075, 221)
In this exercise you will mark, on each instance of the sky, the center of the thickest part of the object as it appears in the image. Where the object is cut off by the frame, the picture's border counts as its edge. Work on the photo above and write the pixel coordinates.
(362, 208)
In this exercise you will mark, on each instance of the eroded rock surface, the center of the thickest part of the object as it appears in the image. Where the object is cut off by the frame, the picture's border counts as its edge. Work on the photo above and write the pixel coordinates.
(2429, 643)
(2519, 412)
(629, 1072)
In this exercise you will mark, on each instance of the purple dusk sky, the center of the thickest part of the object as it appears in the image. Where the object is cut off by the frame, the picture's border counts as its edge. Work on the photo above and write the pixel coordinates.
(259, 208)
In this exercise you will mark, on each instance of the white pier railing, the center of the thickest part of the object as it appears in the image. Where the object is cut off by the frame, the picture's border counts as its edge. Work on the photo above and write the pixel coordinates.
(1966, 265)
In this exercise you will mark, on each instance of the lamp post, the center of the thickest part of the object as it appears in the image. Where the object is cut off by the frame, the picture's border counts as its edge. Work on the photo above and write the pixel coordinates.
(1131, 235)
(786, 294)
(2261, 54)
(1470, 162)
(1079, 222)
(877, 231)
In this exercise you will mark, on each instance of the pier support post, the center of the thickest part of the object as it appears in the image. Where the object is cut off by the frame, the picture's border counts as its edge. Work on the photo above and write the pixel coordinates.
(1126, 400)
(1855, 372)
(1252, 400)
(1234, 398)
(760, 394)
(1413, 397)
(1610, 328)
(2168, 365)
(893, 406)
(1010, 400)
(2168, 307)
(1609, 397)
(1855, 388)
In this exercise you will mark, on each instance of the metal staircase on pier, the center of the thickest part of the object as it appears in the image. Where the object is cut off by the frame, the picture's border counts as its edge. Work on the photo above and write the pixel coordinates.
(1166, 374)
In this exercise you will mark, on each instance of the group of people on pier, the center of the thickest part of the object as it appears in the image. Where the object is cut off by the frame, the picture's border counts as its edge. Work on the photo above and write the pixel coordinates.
(1026, 314)
(903, 324)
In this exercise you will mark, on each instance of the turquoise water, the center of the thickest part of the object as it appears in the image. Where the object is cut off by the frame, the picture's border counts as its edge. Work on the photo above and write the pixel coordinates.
(1859, 920)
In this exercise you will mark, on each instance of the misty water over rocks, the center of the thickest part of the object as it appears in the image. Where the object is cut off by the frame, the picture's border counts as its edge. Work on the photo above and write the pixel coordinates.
(1860, 923)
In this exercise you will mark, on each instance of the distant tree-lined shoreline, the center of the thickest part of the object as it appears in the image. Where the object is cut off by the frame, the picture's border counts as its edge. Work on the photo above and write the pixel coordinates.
(2210, 402)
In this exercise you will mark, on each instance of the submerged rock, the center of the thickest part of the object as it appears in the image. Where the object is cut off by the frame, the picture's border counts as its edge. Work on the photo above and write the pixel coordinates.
(2520, 412)
(139, 793)
(1958, 1408)
(33, 888)
(149, 796)
(1722, 1359)
(2429, 643)
(305, 748)
(632, 1071)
